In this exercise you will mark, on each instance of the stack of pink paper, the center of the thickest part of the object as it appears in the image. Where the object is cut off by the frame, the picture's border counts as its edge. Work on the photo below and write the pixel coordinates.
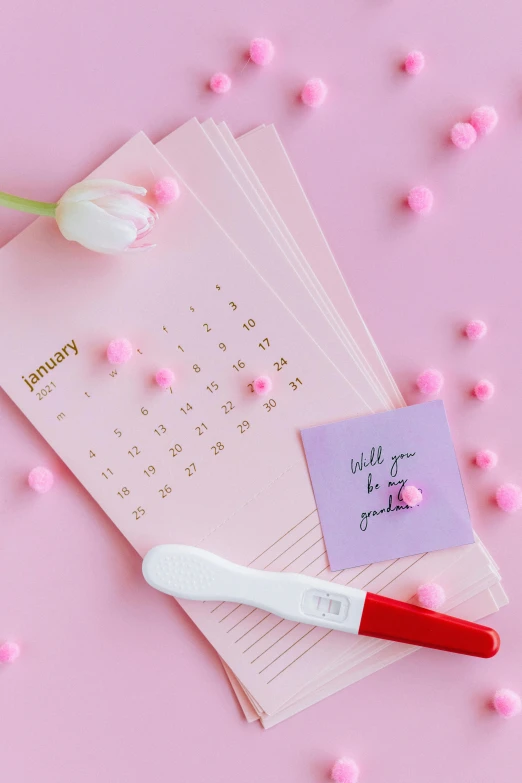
(241, 283)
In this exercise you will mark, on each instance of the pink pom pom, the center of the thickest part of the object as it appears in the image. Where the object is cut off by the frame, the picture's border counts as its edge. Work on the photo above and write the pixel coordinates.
(220, 83)
(430, 382)
(420, 200)
(431, 595)
(314, 93)
(261, 51)
(262, 385)
(414, 63)
(509, 498)
(484, 390)
(165, 190)
(165, 378)
(463, 135)
(507, 703)
(411, 495)
(40, 480)
(119, 351)
(9, 652)
(476, 330)
(486, 459)
(345, 771)
(484, 120)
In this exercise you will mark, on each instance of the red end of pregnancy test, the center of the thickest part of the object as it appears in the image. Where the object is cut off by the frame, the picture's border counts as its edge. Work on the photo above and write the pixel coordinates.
(195, 574)
(397, 621)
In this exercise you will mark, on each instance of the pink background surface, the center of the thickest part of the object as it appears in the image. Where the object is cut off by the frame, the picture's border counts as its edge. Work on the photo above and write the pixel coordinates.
(115, 684)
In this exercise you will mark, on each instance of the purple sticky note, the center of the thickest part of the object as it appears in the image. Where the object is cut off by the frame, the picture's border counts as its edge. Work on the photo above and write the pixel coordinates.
(358, 468)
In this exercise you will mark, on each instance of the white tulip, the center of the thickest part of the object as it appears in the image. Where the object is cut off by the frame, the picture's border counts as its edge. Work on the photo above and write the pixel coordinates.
(103, 215)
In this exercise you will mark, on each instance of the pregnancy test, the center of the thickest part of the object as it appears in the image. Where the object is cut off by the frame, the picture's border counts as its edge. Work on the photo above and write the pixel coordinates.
(197, 575)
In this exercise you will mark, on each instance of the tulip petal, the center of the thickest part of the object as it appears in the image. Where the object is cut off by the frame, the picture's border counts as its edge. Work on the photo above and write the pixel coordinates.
(91, 189)
(129, 208)
(94, 228)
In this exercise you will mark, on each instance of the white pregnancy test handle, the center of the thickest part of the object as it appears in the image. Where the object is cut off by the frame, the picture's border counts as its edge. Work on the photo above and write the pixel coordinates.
(195, 574)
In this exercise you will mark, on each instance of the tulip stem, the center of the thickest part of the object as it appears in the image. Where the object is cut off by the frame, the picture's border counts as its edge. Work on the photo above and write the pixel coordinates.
(27, 205)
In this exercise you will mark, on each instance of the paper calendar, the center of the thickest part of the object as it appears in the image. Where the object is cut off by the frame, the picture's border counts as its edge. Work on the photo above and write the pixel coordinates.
(240, 283)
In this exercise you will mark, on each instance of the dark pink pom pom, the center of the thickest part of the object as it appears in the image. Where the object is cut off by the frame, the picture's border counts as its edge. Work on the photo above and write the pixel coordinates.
(40, 479)
(165, 378)
(314, 93)
(509, 498)
(420, 200)
(414, 63)
(484, 120)
(431, 595)
(165, 190)
(262, 385)
(484, 390)
(411, 495)
(430, 381)
(345, 771)
(507, 703)
(220, 83)
(463, 135)
(119, 351)
(9, 652)
(476, 330)
(261, 51)
(486, 459)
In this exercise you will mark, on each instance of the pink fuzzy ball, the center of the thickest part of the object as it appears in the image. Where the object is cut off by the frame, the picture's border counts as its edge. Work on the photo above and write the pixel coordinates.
(509, 498)
(420, 200)
(414, 63)
(9, 652)
(431, 595)
(262, 385)
(345, 771)
(476, 330)
(430, 382)
(220, 83)
(261, 51)
(165, 190)
(165, 378)
(486, 459)
(411, 495)
(463, 135)
(507, 703)
(484, 120)
(484, 390)
(40, 479)
(314, 93)
(119, 351)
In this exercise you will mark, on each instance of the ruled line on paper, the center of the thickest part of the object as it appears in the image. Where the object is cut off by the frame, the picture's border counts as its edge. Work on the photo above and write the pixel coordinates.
(302, 553)
(252, 629)
(299, 656)
(271, 547)
(291, 547)
(257, 633)
(240, 621)
(260, 610)
(238, 606)
(265, 634)
(283, 536)
(277, 640)
(324, 635)
(274, 644)
(289, 648)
